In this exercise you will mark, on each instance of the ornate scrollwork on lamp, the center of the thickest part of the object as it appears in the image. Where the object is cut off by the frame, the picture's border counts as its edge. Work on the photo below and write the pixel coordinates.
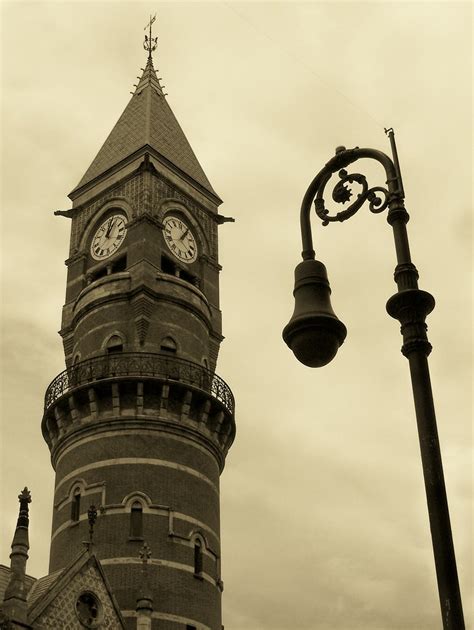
(342, 193)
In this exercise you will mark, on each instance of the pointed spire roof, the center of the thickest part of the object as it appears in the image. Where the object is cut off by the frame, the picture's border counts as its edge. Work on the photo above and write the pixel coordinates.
(15, 597)
(147, 122)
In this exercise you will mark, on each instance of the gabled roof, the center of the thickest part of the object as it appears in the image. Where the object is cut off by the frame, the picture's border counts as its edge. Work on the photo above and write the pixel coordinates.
(147, 121)
(53, 599)
(42, 586)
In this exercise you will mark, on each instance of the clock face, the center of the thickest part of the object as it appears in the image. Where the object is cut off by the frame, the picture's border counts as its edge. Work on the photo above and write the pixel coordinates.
(108, 237)
(180, 239)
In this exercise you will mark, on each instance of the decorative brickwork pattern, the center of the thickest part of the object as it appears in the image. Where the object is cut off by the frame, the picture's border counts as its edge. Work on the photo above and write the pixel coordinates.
(142, 309)
(61, 611)
(141, 195)
(161, 189)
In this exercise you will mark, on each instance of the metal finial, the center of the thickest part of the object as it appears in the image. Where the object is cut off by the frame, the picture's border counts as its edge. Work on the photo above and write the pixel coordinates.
(24, 495)
(391, 134)
(91, 517)
(23, 515)
(145, 553)
(150, 42)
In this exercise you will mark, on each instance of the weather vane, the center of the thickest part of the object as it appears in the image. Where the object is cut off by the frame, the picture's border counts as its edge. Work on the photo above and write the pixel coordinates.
(150, 42)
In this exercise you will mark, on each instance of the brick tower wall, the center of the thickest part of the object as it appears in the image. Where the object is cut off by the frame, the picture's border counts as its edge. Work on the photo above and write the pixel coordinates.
(160, 445)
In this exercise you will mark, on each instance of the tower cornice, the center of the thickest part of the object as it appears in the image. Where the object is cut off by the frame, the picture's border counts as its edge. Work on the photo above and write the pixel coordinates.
(92, 296)
(87, 396)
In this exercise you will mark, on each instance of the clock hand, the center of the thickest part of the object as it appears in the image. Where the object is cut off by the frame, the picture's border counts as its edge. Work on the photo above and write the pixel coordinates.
(109, 227)
(183, 235)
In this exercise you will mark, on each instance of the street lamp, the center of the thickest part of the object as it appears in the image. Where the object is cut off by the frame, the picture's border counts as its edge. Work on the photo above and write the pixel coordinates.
(314, 333)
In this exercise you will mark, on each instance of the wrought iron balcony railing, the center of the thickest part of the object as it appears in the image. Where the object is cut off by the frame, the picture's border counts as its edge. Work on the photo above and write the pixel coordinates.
(140, 364)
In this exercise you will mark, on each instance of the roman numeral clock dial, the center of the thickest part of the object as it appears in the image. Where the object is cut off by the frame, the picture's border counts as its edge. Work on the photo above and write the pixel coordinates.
(179, 239)
(108, 237)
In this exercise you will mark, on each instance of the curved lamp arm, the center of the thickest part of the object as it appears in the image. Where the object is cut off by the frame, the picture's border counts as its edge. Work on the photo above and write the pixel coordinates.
(314, 333)
(342, 159)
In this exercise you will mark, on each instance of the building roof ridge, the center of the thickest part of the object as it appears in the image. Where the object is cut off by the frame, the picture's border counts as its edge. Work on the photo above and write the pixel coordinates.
(49, 585)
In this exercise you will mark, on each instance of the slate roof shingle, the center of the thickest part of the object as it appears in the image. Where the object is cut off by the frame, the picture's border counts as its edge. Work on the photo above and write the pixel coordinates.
(147, 120)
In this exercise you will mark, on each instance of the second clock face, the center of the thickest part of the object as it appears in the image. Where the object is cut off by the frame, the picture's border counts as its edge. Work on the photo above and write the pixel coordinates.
(180, 239)
(108, 237)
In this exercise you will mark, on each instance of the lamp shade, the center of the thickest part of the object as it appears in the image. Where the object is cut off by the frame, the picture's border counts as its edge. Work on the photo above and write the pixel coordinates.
(314, 332)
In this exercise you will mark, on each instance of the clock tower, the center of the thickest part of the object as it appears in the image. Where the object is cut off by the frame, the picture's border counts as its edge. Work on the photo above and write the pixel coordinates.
(139, 423)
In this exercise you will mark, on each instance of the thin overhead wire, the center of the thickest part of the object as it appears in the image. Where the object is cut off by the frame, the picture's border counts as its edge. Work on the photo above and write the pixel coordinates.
(302, 62)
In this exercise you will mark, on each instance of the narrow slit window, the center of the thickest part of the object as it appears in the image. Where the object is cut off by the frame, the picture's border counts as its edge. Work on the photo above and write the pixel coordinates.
(136, 520)
(76, 505)
(197, 557)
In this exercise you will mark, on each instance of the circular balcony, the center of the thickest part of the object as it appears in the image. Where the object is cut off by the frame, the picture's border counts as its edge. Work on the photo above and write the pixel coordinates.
(140, 365)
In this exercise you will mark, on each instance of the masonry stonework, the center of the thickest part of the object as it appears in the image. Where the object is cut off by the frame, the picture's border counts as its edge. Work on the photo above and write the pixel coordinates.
(139, 424)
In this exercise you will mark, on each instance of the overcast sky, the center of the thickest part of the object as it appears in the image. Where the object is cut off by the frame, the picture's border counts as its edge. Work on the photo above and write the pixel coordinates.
(324, 518)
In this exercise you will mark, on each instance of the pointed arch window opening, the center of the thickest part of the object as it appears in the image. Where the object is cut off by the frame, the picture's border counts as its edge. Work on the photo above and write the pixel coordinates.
(136, 521)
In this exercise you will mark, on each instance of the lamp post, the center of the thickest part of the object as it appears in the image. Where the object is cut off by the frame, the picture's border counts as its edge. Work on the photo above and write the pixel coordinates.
(314, 333)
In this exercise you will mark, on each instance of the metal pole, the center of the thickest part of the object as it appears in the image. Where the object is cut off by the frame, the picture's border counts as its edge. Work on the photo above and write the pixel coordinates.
(441, 535)
(410, 306)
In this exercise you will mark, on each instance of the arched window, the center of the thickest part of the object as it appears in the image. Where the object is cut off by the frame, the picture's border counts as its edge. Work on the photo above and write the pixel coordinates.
(168, 345)
(76, 505)
(136, 520)
(197, 557)
(114, 344)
